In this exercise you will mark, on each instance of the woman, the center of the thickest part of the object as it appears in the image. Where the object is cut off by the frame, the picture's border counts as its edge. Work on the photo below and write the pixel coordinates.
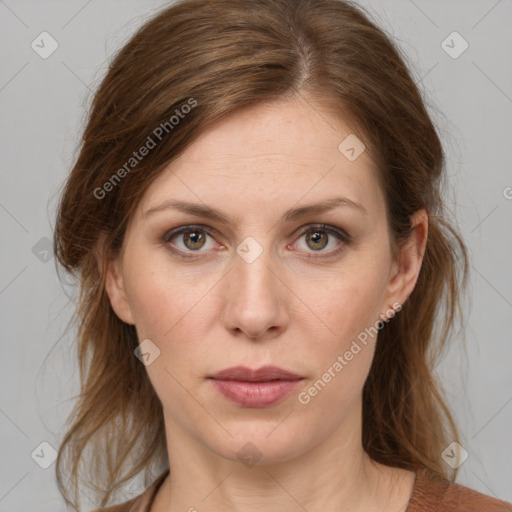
(256, 223)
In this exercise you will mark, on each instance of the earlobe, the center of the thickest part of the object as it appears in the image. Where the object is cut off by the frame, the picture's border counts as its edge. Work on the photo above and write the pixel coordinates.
(406, 271)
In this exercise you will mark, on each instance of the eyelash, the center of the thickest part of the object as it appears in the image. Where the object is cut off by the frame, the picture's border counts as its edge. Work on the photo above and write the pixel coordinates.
(331, 230)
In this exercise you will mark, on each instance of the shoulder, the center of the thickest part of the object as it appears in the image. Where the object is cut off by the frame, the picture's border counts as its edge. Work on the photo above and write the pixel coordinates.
(432, 493)
(134, 505)
(140, 503)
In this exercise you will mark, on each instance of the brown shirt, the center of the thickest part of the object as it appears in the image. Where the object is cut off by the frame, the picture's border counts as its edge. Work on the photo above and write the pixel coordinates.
(429, 494)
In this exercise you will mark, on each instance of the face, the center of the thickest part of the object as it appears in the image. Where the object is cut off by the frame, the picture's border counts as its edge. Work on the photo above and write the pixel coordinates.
(260, 286)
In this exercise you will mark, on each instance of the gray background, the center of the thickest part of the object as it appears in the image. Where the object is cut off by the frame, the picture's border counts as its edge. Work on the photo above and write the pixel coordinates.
(42, 111)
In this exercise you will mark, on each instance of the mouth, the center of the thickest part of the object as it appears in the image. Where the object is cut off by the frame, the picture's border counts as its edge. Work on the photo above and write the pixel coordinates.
(263, 374)
(255, 388)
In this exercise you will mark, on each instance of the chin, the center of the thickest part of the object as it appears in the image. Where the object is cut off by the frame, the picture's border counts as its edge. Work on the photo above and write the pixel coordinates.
(258, 444)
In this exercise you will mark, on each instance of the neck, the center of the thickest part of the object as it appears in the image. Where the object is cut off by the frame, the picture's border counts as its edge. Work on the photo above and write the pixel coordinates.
(335, 474)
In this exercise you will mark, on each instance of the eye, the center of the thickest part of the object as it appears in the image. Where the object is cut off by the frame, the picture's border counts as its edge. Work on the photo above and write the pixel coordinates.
(193, 239)
(318, 237)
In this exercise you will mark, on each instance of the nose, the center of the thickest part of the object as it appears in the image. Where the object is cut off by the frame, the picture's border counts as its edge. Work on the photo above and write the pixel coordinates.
(255, 298)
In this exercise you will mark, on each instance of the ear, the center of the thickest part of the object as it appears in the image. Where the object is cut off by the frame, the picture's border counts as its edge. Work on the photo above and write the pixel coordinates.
(114, 283)
(405, 271)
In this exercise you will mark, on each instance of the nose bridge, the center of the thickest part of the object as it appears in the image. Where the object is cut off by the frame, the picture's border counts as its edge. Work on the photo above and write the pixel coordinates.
(254, 301)
(255, 278)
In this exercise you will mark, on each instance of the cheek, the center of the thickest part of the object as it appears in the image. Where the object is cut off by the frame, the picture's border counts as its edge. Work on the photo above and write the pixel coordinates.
(176, 310)
(341, 333)
(162, 299)
(345, 303)
(341, 343)
(155, 307)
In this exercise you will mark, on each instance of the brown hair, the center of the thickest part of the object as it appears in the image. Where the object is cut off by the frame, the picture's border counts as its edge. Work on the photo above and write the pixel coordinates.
(192, 65)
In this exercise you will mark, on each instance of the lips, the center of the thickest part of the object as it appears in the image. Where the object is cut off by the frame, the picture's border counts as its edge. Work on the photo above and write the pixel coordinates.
(263, 374)
(255, 388)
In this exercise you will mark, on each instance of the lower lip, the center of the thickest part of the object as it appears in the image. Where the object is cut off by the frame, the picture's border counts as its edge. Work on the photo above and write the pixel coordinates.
(256, 394)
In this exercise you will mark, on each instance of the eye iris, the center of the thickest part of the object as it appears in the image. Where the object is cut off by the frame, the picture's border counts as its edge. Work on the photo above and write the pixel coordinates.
(194, 237)
(315, 236)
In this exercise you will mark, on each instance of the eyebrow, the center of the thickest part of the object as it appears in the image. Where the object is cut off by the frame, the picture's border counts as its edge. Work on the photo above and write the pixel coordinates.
(294, 214)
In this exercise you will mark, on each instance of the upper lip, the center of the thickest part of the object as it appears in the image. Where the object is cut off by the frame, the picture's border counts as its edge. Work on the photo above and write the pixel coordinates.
(263, 374)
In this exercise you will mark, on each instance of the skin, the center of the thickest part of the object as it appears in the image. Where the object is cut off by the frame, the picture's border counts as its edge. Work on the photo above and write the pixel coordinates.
(217, 311)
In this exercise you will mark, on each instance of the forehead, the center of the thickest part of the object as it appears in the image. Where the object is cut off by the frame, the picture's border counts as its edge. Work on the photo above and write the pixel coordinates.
(272, 154)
